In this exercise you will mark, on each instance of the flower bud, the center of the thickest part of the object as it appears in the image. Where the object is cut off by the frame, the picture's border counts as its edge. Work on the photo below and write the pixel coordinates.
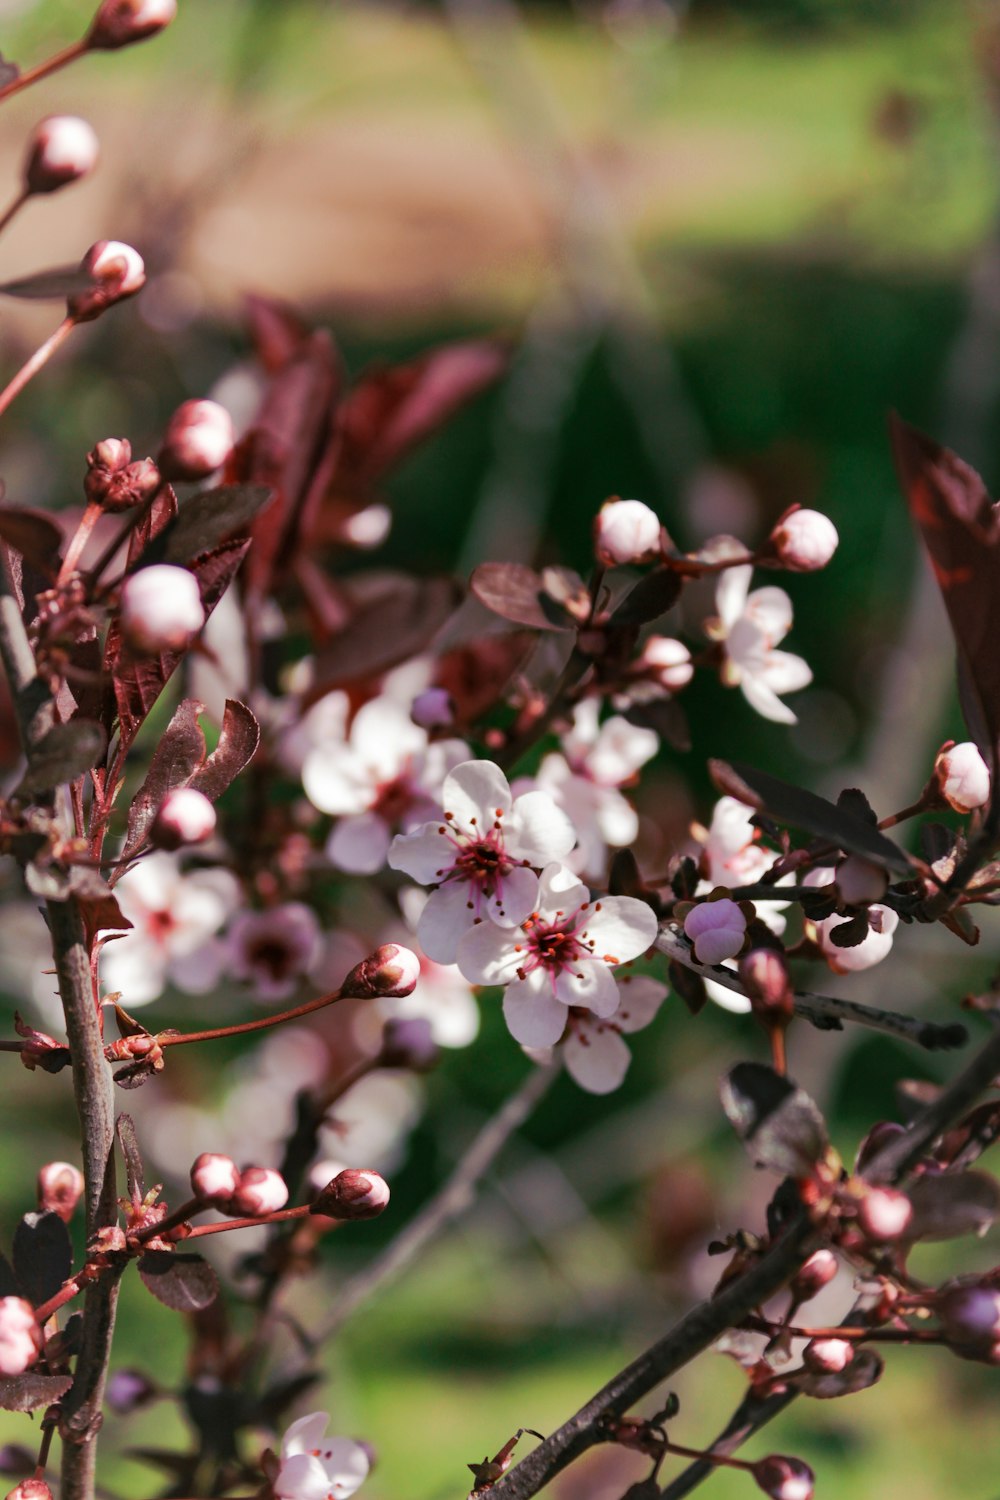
(804, 540)
(818, 1271)
(390, 970)
(113, 480)
(408, 1042)
(128, 1390)
(198, 440)
(784, 1478)
(356, 1193)
(884, 1215)
(30, 1489)
(61, 149)
(717, 929)
(764, 974)
(667, 662)
(828, 1356)
(260, 1191)
(121, 22)
(434, 708)
(881, 1133)
(116, 271)
(60, 1188)
(161, 609)
(860, 881)
(963, 776)
(970, 1314)
(626, 531)
(214, 1178)
(20, 1336)
(185, 816)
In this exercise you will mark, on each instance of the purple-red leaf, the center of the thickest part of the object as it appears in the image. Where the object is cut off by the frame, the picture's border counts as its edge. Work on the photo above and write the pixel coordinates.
(518, 593)
(207, 519)
(42, 1255)
(66, 752)
(237, 746)
(34, 534)
(48, 286)
(178, 755)
(651, 597)
(29, 1392)
(950, 1204)
(125, 1131)
(780, 1125)
(394, 617)
(863, 1371)
(185, 1283)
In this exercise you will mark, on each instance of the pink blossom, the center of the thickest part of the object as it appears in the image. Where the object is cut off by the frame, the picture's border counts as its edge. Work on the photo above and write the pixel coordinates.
(859, 880)
(667, 661)
(596, 1056)
(61, 149)
(963, 776)
(731, 847)
(749, 626)
(354, 1193)
(384, 777)
(315, 1467)
(185, 816)
(480, 855)
(873, 948)
(561, 955)
(717, 929)
(273, 949)
(20, 1338)
(626, 531)
(198, 440)
(214, 1177)
(805, 540)
(116, 271)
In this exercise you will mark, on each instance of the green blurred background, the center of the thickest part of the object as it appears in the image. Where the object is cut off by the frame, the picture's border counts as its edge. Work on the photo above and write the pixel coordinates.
(728, 240)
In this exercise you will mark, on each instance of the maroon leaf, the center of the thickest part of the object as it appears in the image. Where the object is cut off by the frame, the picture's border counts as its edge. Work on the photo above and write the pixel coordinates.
(863, 1371)
(185, 1283)
(34, 534)
(950, 1204)
(101, 912)
(798, 808)
(207, 519)
(780, 1125)
(8, 1281)
(178, 755)
(277, 331)
(961, 531)
(151, 524)
(66, 752)
(395, 616)
(477, 673)
(517, 593)
(125, 1131)
(850, 933)
(237, 746)
(48, 286)
(651, 598)
(29, 1392)
(42, 1255)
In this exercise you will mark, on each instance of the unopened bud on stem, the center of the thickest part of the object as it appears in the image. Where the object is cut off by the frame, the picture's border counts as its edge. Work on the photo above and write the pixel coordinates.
(61, 150)
(30, 1489)
(804, 540)
(390, 970)
(962, 776)
(884, 1215)
(356, 1193)
(185, 816)
(784, 1478)
(626, 531)
(118, 23)
(198, 440)
(214, 1178)
(20, 1336)
(161, 609)
(260, 1191)
(116, 271)
(60, 1188)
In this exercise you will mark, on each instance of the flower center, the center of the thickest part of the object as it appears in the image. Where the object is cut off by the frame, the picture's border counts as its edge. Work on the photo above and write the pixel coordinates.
(393, 799)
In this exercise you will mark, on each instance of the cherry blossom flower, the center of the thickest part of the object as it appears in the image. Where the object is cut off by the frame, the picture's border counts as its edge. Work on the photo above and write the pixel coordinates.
(596, 1056)
(273, 949)
(561, 955)
(20, 1338)
(480, 855)
(584, 780)
(175, 918)
(873, 948)
(626, 531)
(731, 847)
(384, 777)
(315, 1467)
(749, 626)
(963, 776)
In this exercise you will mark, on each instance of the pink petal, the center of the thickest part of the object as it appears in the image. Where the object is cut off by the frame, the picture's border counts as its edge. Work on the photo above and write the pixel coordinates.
(620, 928)
(426, 854)
(359, 844)
(641, 998)
(589, 983)
(537, 830)
(560, 892)
(596, 1058)
(534, 1017)
(445, 918)
(473, 793)
(488, 954)
(518, 898)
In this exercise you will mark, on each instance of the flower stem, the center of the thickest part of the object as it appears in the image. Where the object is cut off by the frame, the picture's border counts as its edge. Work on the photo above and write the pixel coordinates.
(40, 357)
(166, 1040)
(44, 69)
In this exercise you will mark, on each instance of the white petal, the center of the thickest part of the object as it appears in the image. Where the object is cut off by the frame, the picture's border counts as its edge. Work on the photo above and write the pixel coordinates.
(771, 610)
(726, 998)
(642, 997)
(306, 1433)
(347, 1465)
(426, 854)
(616, 818)
(731, 594)
(589, 983)
(783, 672)
(473, 793)
(620, 750)
(444, 919)
(335, 782)
(596, 1057)
(620, 928)
(517, 898)
(488, 954)
(534, 1016)
(767, 704)
(359, 844)
(537, 830)
(560, 892)
(440, 757)
(302, 1477)
(383, 736)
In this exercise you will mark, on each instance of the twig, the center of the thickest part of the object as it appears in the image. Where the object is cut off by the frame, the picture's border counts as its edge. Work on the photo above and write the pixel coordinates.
(451, 1200)
(826, 1012)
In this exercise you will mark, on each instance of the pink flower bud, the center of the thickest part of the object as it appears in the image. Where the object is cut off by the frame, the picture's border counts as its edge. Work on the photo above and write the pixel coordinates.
(667, 662)
(764, 973)
(962, 776)
(260, 1190)
(884, 1215)
(214, 1178)
(20, 1336)
(30, 1489)
(185, 816)
(116, 271)
(818, 1271)
(970, 1314)
(626, 531)
(859, 881)
(198, 440)
(113, 481)
(61, 149)
(434, 708)
(784, 1478)
(717, 929)
(120, 22)
(828, 1356)
(161, 609)
(805, 540)
(390, 970)
(353, 1194)
(409, 1043)
(60, 1188)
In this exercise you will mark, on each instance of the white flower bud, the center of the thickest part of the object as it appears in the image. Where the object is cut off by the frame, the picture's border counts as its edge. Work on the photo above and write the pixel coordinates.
(626, 531)
(828, 1356)
(784, 1478)
(884, 1215)
(963, 777)
(859, 881)
(390, 970)
(185, 816)
(61, 150)
(121, 22)
(60, 1188)
(434, 708)
(30, 1489)
(717, 929)
(20, 1337)
(260, 1191)
(873, 948)
(805, 540)
(356, 1193)
(214, 1178)
(198, 440)
(161, 609)
(818, 1271)
(667, 661)
(116, 270)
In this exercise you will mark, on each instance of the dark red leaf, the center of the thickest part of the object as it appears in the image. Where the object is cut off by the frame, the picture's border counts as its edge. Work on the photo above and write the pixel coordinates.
(125, 1131)
(477, 673)
(151, 525)
(178, 755)
(42, 1255)
(780, 1125)
(48, 286)
(651, 597)
(207, 519)
(185, 1283)
(66, 752)
(29, 1392)
(101, 913)
(517, 593)
(237, 746)
(34, 534)
(863, 1371)
(950, 1204)
(277, 331)
(395, 616)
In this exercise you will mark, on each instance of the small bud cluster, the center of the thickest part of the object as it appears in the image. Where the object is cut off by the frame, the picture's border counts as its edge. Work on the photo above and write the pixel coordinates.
(253, 1192)
(113, 481)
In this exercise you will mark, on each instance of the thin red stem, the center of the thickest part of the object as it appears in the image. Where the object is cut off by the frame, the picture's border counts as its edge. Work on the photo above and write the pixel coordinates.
(43, 69)
(91, 515)
(38, 359)
(280, 1217)
(166, 1040)
(13, 208)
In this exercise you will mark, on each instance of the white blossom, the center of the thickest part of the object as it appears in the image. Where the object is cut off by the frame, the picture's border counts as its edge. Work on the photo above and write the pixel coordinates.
(317, 1467)
(596, 1056)
(273, 949)
(873, 948)
(750, 625)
